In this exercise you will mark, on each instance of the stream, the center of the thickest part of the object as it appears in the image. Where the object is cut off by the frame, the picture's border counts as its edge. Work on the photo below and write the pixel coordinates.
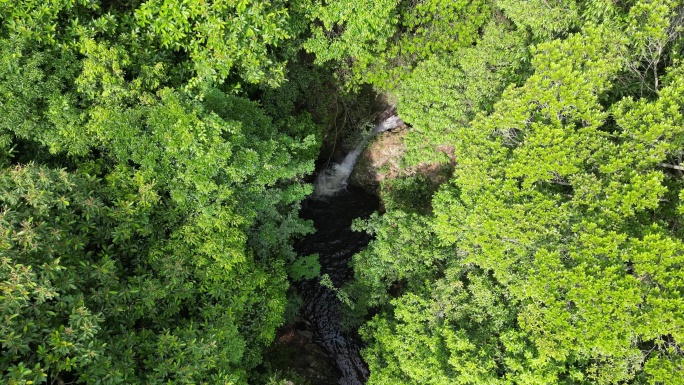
(332, 207)
(335, 244)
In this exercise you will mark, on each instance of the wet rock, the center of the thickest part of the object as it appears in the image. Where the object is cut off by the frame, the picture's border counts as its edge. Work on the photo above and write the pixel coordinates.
(295, 352)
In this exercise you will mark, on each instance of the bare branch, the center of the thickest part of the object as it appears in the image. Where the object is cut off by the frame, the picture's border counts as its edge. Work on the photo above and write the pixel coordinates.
(672, 166)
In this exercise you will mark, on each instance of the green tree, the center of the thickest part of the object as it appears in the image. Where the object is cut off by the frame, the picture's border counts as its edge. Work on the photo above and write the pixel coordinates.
(383, 41)
(547, 242)
(165, 202)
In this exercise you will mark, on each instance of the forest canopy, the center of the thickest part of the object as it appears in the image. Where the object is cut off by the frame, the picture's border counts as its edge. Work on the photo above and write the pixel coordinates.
(154, 156)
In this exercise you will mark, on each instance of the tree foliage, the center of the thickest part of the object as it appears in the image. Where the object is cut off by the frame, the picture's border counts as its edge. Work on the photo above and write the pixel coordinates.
(152, 158)
(553, 255)
(148, 208)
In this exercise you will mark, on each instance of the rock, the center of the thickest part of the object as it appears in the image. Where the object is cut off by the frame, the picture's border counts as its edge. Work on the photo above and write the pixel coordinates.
(382, 160)
(307, 335)
(294, 351)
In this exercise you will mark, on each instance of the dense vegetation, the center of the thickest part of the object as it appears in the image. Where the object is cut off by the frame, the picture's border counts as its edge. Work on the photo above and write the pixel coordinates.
(152, 163)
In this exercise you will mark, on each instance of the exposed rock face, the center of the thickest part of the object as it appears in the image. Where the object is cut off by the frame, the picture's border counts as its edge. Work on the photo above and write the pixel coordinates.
(335, 177)
(382, 160)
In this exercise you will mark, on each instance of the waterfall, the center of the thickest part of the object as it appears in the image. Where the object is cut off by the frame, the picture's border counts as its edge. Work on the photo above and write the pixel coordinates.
(334, 178)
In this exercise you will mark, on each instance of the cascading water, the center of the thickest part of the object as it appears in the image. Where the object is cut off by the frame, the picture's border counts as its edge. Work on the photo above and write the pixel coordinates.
(334, 179)
(333, 207)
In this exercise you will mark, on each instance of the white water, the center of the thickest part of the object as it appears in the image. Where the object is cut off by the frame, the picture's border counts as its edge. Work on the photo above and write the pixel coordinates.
(334, 179)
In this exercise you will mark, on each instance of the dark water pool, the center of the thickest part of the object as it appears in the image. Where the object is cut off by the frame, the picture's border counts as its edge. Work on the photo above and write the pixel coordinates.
(335, 243)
